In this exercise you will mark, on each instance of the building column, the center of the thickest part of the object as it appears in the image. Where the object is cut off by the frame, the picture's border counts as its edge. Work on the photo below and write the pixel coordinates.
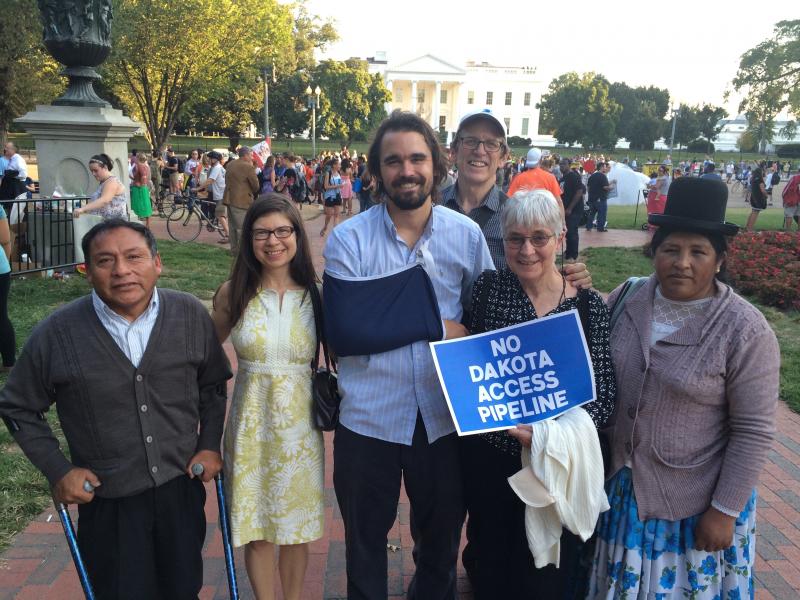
(414, 103)
(388, 105)
(436, 104)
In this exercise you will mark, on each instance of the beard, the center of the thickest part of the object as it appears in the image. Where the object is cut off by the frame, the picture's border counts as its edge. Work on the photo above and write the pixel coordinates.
(409, 200)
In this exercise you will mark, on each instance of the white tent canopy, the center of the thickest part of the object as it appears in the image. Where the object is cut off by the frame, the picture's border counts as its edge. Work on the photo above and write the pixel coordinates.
(629, 186)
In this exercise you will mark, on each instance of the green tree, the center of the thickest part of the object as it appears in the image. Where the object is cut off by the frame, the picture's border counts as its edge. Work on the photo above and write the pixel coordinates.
(710, 122)
(643, 110)
(578, 109)
(352, 102)
(28, 74)
(687, 125)
(156, 72)
(770, 74)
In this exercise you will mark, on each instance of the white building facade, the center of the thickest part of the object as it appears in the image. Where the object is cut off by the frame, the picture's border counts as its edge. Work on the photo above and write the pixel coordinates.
(732, 129)
(441, 92)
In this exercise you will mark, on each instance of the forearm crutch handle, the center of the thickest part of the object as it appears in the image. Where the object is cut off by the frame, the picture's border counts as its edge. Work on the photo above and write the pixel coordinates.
(72, 541)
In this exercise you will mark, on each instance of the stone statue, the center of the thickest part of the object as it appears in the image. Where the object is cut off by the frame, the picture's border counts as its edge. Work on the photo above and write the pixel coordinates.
(78, 35)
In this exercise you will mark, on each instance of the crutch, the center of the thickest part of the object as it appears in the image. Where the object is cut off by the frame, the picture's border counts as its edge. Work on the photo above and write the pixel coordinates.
(224, 524)
(72, 541)
(66, 522)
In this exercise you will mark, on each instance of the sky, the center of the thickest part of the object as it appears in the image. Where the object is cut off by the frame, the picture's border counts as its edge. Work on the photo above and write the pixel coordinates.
(690, 48)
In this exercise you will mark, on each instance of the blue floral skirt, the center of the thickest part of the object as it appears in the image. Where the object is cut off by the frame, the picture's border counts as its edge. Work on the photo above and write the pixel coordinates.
(656, 559)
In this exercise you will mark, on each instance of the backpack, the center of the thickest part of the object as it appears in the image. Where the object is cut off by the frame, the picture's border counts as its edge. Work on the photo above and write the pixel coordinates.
(298, 190)
(791, 193)
(776, 178)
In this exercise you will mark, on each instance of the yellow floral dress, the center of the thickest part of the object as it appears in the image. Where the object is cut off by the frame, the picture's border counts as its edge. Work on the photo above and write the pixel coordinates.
(273, 454)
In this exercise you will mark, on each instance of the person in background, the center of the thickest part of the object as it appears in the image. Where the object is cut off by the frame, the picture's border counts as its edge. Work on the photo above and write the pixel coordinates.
(758, 197)
(274, 455)
(171, 167)
(8, 340)
(140, 194)
(332, 198)
(697, 371)
(108, 200)
(190, 168)
(346, 190)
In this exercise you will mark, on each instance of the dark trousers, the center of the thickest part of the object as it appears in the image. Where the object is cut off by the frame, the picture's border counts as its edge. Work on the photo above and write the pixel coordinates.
(366, 476)
(148, 545)
(8, 341)
(599, 208)
(573, 224)
(497, 558)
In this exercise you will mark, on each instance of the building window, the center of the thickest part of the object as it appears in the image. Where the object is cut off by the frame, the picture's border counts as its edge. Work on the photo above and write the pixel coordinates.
(507, 121)
(508, 98)
(489, 98)
(527, 100)
(443, 97)
(525, 122)
(421, 96)
(442, 123)
(470, 97)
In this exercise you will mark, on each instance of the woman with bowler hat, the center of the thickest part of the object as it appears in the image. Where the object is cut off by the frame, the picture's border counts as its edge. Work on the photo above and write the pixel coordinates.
(697, 385)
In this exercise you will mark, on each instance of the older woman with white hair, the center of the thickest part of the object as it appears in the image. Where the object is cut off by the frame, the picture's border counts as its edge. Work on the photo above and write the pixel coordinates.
(497, 558)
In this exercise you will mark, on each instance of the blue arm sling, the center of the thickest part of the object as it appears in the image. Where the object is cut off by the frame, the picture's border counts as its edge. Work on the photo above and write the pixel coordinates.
(371, 315)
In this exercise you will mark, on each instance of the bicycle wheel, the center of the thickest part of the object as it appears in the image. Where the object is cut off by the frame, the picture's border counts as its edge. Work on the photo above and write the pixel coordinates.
(183, 224)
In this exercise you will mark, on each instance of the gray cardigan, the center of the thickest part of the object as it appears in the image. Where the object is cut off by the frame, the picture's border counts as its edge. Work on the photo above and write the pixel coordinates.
(696, 412)
(135, 428)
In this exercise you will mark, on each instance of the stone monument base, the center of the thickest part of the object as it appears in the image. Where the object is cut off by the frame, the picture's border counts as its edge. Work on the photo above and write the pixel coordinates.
(67, 136)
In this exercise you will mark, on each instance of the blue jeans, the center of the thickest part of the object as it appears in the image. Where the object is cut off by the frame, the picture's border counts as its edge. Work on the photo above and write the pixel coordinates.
(599, 208)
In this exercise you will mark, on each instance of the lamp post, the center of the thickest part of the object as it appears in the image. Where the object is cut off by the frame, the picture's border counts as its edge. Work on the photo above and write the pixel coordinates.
(265, 74)
(313, 104)
(675, 114)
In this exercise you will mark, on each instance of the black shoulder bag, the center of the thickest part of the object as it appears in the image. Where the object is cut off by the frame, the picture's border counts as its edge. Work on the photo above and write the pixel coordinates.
(325, 388)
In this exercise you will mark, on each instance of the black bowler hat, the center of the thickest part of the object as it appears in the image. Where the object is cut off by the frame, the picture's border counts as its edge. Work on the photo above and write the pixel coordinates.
(696, 204)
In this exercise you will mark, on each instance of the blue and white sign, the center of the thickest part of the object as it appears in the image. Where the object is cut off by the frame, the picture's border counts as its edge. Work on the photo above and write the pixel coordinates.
(519, 374)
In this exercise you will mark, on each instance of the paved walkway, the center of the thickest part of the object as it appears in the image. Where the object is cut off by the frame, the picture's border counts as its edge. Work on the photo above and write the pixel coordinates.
(38, 564)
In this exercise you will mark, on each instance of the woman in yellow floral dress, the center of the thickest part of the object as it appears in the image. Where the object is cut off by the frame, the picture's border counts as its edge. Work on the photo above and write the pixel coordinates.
(273, 454)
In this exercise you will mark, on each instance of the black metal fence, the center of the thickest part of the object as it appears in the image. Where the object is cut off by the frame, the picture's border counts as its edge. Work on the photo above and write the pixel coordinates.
(42, 237)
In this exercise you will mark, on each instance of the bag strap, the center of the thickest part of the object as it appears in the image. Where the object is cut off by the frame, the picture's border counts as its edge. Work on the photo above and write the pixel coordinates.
(629, 288)
(583, 313)
(319, 326)
(483, 301)
(486, 213)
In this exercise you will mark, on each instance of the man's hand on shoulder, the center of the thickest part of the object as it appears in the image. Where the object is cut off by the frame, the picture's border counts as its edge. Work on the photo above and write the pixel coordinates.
(578, 276)
(211, 461)
(70, 490)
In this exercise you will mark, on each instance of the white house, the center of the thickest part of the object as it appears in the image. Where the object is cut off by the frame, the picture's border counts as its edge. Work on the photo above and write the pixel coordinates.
(441, 92)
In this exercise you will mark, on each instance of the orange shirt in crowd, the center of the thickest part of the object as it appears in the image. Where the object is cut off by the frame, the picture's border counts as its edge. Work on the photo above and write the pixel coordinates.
(535, 179)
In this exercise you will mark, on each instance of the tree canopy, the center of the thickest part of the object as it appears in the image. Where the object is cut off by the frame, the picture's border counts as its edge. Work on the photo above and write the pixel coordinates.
(643, 110)
(165, 56)
(770, 75)
(579, 109)
(28, 74)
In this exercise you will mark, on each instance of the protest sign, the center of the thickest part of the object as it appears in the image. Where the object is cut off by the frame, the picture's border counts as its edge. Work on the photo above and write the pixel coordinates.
(519, 374)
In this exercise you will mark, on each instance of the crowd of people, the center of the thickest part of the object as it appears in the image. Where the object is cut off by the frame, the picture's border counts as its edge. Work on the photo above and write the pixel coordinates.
(685, 372)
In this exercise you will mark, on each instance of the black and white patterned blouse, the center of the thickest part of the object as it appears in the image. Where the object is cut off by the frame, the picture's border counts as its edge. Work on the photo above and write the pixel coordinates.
(505, 303)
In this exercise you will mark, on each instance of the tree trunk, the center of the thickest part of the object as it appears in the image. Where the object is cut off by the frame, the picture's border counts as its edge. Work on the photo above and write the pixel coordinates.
(233, 141)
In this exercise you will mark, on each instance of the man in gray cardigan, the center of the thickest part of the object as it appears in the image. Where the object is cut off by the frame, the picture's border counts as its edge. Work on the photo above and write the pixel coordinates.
(138, 379)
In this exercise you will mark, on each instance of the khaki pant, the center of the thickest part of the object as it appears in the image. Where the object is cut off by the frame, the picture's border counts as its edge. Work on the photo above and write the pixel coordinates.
(235, 222)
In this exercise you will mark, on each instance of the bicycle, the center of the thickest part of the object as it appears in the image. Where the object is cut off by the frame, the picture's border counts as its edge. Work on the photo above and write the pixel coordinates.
(187, 219)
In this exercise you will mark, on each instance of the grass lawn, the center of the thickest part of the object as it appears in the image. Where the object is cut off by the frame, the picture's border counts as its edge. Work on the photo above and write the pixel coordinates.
(194, 268)
(622, 217)
(612, 266)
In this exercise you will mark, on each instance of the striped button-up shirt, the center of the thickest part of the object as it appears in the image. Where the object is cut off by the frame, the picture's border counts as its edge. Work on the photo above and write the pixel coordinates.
(131, 338)
(491, 227)
(382, 393)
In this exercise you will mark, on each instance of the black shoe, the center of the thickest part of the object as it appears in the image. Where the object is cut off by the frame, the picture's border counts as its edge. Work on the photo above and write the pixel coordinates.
(603, 230)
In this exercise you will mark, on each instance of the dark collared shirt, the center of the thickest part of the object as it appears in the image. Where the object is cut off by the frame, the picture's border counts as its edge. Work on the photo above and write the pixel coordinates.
(487, 215)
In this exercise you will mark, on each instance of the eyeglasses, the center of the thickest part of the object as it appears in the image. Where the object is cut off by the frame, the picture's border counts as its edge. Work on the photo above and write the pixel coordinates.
(281, 233)
(471, 143)
(518, 241)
